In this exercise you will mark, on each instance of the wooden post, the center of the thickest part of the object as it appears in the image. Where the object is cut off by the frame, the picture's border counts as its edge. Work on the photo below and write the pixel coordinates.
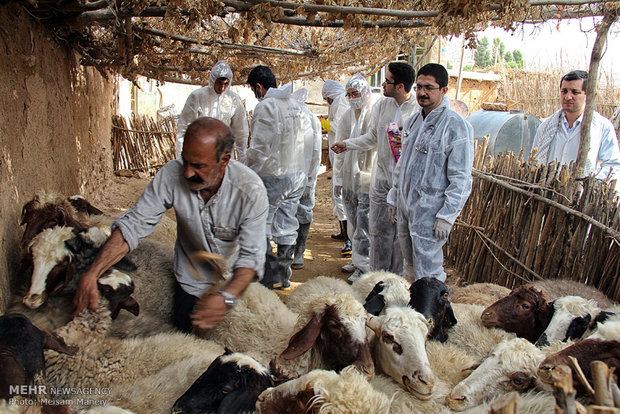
(563, 390)
(460, 79)
(591, 92)
(601, 382)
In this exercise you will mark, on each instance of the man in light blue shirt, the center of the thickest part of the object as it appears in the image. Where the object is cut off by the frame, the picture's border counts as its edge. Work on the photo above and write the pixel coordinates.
(220, 206)
(558, 137)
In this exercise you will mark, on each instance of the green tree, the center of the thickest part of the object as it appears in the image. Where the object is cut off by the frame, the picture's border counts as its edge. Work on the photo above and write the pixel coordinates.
(482, 56)
(508, 57)
(518, 58)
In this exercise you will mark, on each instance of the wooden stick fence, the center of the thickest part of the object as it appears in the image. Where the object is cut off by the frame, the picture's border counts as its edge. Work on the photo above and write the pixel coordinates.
(142, 143)
(525, 221)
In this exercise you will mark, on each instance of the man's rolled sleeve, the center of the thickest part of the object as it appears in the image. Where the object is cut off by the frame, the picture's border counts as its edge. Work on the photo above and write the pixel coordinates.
(252, 233)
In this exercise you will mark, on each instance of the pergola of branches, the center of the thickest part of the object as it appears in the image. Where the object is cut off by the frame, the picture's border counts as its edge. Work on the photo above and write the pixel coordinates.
(180, 40)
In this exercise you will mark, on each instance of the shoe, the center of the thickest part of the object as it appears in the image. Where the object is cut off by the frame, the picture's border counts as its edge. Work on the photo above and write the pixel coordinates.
(348, 268)
(355, 276)
(285, 260)
(347, 249)
(343, 231)
(300, 246)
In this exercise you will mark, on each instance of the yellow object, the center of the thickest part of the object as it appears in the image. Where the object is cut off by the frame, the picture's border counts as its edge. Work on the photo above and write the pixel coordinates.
(326, 125)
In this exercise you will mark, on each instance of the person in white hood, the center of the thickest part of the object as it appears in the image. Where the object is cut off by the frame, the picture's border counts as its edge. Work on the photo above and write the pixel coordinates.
(276, 154)
(216, 100)
(353, 178)
(305, 214)
(333, 94)
(397, 105)
(432, 180)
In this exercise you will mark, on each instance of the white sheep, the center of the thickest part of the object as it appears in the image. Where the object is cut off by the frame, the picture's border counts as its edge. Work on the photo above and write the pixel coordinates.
(318, 286)
(471, 335)
(324, 391)
(571, 319)
(531, 402)
(391, 291)
(104, 362)
(511, 366)
(556, 288)
(365, 284)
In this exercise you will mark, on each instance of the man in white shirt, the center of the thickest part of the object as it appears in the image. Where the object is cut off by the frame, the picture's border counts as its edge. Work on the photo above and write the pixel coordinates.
(217, 101)
(559, 136)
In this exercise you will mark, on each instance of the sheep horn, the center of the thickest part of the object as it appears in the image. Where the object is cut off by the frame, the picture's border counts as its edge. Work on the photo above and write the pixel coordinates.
(373, 323)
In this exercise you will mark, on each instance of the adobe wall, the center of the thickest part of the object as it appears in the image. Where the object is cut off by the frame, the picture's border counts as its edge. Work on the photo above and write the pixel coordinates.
(55, 123)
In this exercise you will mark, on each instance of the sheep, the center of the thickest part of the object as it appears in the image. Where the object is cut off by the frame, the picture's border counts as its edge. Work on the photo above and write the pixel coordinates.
(525, 311)
(586, 351)
(471, 335)
(331, 327)
(318, 286)
(103, 361)
(323, 391)
(512, 365)
(571, 319)
(607, 327)
(399, 349)
(530, 402)
(365, 284)
(231, 384)
(387, 292)
(483, 294)
(429, 296)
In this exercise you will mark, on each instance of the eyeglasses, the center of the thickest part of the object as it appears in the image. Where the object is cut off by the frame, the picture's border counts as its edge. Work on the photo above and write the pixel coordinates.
(388, 82)
(354, 94)
(427, 88)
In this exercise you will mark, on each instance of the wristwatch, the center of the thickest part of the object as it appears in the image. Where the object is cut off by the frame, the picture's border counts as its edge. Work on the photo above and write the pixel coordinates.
(229, 299)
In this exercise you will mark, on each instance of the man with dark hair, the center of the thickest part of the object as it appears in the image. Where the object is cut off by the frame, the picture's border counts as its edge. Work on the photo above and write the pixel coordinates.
(389, 115)
(559, 136)
(276, 154)
(220, 207)
(432, 180)
(218, 101)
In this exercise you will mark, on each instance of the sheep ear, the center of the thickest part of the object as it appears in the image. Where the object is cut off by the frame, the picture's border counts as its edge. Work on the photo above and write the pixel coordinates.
(472, 368)
(373, 323)
(450, 318)
(304, 339)
(375, 305)
(55, 342)
(57, 271)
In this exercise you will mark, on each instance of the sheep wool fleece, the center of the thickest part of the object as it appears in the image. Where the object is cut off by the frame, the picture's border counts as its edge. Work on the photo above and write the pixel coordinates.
(432, 181)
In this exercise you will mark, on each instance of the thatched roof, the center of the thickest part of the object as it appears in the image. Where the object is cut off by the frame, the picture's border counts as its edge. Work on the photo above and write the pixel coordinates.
(180, 40)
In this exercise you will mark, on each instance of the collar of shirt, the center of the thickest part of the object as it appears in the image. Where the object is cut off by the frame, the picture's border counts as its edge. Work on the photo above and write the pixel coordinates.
(575, 125)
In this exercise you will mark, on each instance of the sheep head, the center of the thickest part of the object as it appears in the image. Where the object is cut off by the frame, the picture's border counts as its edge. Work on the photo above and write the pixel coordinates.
(429, 296)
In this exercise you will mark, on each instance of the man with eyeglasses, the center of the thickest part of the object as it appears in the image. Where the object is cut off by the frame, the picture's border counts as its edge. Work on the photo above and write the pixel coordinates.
(216, 100)
(432, 180)
(389, 115)
(559, 136)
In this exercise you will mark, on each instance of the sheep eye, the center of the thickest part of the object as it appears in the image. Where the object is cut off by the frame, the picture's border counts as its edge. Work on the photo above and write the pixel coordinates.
(430, 322)
(445, 295)
(397, 348)
(387, 338)
(525, 306)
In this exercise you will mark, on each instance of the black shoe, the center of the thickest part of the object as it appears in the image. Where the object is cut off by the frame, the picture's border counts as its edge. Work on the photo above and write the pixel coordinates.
(347, 249)
(337, 236)
(343, 231)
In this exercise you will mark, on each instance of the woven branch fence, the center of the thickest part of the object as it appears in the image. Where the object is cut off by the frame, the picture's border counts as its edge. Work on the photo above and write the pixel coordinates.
(142, 143)
(524, 221)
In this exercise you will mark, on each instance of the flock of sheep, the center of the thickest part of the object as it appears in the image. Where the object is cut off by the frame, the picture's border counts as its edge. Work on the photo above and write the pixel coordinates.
(382, 345)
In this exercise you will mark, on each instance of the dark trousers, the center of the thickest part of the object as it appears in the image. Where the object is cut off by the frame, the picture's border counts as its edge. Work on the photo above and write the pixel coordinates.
(271, 268)
(183, 306)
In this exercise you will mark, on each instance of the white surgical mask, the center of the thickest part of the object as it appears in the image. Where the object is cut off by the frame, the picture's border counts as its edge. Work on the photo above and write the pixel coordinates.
(356, 103)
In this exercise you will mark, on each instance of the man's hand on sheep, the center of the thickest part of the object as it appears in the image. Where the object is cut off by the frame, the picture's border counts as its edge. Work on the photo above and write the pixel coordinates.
(87, 294)
(209, 310)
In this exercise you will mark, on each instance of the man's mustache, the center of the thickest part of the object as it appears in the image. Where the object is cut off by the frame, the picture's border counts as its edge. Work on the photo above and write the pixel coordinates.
(195, 179)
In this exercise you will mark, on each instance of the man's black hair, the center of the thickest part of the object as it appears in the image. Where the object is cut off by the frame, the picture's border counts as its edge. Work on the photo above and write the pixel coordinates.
(437, 71)
(224, 139)
(263, 75)
(402, 73)
(575, 75)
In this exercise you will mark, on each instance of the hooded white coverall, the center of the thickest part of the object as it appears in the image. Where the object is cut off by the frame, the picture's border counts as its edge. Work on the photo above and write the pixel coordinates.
(312, 151)
(432, 180)
(355, 174)
(385, 251)
(276, 154)
(339, 105)
(227, 107)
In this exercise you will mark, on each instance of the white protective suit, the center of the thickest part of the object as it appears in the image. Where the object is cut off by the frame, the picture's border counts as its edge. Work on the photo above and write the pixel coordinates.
(556, 143)
(312, 151)
(339, 105)
(432, 181)
(385, 251)
(227, 107)
(276, 154)
(355, 173)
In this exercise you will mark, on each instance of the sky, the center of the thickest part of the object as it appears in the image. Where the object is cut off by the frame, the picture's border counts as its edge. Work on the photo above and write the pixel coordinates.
(563, 45)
